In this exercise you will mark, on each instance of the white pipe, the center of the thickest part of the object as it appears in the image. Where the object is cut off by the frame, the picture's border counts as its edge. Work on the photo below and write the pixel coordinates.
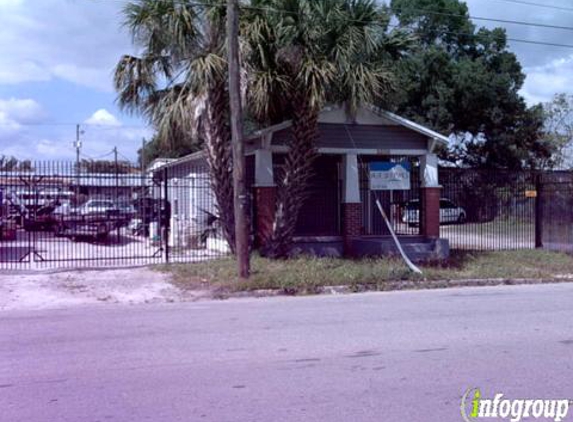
(409, 263)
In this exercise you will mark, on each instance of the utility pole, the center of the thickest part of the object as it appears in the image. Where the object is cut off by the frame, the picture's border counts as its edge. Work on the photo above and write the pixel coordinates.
(116, 186)
(116, 173)
(142, 163)
(78, 145)
(241, 224)
(142, 156)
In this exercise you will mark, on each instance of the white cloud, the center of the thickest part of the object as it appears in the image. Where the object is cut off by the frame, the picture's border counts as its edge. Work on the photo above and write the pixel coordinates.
(92, 77)
(48, 150)
(103, 131)
(7, 125)
(104, 118)
(21, 110)
(74, 40)
(543, 82)
(15, 116)
(13, 72)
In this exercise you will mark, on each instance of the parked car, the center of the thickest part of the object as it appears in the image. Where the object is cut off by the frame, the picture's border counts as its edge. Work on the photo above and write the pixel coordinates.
(126, 210)
(449, 212)
(99, 206)
(65, 209)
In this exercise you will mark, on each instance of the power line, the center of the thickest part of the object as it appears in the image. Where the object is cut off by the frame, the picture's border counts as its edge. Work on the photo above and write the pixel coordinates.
(517, 40)
(62, 124)
(123, 156)
(479, 18)
(112, 126)
(98, 157)
(547, 6)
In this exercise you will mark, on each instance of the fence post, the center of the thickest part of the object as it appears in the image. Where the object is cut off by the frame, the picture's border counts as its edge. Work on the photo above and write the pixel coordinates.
(164, 216)
(539, 211)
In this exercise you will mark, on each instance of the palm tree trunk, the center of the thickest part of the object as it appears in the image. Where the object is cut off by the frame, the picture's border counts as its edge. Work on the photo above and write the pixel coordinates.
(219, 157)
(294, 180)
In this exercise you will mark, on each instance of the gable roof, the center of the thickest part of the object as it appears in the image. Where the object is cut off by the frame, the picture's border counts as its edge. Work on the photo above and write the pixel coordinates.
(368, 115)
(163, 163)
(402, 121)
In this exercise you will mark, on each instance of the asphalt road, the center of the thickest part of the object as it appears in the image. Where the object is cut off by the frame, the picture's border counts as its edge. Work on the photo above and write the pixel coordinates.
(405, 356)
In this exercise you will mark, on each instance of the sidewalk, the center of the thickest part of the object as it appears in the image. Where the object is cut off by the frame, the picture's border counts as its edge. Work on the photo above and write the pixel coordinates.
(76, 288)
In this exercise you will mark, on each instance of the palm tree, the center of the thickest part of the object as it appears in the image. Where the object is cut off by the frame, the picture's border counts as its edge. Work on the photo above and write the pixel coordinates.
(300, 54)
(179, 82)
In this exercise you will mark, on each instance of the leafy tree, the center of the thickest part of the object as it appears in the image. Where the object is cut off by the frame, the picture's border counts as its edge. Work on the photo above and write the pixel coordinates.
(465, 81)
(107, 167)
(179, 83)
(8, 163)
(155, 148)
(558, 115)
(300, 54)
(443, 22)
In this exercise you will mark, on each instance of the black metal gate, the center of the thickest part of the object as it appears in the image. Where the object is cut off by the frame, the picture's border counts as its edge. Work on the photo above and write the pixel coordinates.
(395, 203)
(555, 211)
(481, 209)
(488, 210)
(62, 215)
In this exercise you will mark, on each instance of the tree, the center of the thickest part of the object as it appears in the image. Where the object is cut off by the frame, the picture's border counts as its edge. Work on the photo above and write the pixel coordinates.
(558, 118)
(179, 83)
(465, 81)
(155, 148)
(107, 167)
(13, 164)
(299, 55)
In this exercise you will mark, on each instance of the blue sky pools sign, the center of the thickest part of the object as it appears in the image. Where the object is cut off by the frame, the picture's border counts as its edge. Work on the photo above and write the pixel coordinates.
(389, 176)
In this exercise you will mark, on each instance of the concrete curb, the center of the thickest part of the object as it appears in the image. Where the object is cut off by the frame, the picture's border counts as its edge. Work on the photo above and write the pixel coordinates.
(388, 286)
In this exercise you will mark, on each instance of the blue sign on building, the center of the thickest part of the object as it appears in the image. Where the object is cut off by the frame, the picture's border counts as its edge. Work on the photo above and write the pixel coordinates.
(385, 175)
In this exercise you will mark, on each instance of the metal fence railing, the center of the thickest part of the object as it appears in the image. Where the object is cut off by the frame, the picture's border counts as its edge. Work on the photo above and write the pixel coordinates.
(62, 215)
(488, 210)
(555, 211)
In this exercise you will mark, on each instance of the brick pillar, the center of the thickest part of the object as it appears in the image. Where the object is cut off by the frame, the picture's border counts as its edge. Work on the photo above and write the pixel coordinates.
(265, 202)
(430, 212)
(351, 225)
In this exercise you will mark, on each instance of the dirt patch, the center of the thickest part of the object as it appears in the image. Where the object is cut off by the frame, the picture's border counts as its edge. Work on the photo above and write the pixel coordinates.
(76, 288)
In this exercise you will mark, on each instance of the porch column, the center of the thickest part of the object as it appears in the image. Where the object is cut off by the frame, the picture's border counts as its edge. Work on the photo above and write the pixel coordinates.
(265, 196)
(351, 205)
(430, 197)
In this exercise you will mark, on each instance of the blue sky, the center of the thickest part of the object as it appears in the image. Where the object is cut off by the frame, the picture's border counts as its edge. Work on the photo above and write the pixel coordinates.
(57, 58)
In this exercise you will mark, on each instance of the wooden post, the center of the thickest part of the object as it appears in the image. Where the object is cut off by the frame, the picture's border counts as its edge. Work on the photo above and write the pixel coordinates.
(241, 223)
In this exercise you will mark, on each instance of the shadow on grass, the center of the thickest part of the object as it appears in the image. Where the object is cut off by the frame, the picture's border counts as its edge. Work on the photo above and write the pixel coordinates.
(457, 260)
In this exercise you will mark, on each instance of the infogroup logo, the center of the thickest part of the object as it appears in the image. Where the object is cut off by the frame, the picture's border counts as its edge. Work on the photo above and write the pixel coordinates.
(474, 407)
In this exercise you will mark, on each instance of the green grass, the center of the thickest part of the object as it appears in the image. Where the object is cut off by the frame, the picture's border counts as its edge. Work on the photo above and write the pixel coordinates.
(306, 275)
